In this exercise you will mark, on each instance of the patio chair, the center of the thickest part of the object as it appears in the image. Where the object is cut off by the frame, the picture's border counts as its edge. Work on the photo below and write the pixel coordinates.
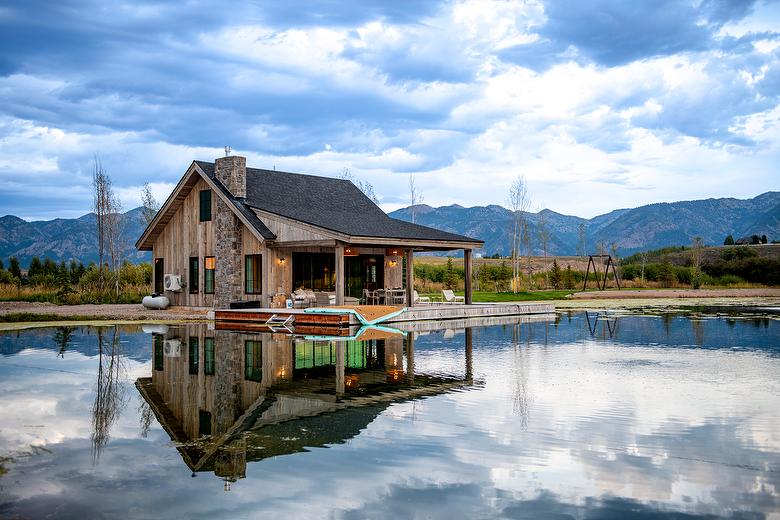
(449, 297)
(323, 299)
(420, 299)
(370, 297)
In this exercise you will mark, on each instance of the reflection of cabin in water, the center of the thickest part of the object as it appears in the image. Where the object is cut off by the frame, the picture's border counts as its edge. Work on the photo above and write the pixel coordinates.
(229, 398)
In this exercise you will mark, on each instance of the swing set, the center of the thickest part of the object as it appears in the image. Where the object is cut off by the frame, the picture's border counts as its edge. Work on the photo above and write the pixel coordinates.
(601, 284)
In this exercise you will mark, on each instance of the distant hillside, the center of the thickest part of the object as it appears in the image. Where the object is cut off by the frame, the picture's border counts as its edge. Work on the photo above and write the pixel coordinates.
(646, 227)
(65, 239)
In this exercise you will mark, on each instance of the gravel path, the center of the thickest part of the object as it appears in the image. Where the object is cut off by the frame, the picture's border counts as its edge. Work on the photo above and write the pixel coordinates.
(131, 311)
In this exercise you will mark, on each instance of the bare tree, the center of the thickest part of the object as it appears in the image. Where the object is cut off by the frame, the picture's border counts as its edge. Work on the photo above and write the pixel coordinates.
(696, 254)
(526, 238)
(643, 258)
(518, 201)
(366, 187)
(544, 238)
(101, 190)
(149, 205)
(114, 231)
(109, 392)
(581, 240)
(415, 197)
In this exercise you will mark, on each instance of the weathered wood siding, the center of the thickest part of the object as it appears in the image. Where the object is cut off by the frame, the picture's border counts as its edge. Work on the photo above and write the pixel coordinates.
(185, 236)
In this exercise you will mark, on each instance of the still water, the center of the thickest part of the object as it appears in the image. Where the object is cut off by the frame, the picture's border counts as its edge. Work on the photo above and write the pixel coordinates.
(570, 416)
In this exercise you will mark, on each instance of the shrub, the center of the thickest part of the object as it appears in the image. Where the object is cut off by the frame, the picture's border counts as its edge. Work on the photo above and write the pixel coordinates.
(629, 271)
(736, 253)
(683, 275)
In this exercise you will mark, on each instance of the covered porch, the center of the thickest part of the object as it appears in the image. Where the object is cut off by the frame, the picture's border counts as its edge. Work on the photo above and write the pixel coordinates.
(360, 272)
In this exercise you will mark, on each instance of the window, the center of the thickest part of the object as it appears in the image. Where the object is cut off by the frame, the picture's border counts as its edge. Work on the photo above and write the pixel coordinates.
(209, 265)
(193, 358)
(159, 275)
(208, 356)
(205, 205)
(204, 423)
(194, 274)
(253, 361)
(158, 351)
(316, 271)
(253, 268)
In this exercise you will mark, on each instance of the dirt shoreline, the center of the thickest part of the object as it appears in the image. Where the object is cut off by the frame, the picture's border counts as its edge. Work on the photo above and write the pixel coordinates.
(614, 299)
(135, 312)
(626, 294)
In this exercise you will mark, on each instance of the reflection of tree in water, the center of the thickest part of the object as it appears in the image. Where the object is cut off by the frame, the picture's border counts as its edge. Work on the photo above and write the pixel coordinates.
(146, 415)
(109, 392)
(697, 324)
(62, 337)
(522, 401)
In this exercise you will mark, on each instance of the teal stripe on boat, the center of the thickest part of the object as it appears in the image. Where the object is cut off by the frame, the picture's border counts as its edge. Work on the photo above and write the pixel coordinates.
(360, 317)
(356, 337)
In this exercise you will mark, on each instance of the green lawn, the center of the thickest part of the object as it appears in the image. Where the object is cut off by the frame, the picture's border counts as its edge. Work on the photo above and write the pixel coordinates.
(486, 296)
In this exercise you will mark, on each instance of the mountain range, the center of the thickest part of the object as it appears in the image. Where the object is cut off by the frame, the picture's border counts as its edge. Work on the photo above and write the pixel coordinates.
(646, 227)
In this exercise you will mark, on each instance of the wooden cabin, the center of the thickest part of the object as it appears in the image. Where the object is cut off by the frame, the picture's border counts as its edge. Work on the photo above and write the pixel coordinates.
(230, 234)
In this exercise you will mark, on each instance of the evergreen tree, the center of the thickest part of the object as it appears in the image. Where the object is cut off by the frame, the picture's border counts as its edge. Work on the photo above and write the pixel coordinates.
(763, 239)
(666, 273)
(13, 267)
(556, 276)
(73, 272)
(2, 265)
(49, 266)
(450, 276)
(568, 278)
(729, 241)
(36, 267)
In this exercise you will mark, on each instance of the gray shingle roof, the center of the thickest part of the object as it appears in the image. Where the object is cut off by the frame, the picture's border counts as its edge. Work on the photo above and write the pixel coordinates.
(334, 204)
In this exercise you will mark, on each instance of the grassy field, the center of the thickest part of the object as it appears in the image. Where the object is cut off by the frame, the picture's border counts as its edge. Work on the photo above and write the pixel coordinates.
(525, 296)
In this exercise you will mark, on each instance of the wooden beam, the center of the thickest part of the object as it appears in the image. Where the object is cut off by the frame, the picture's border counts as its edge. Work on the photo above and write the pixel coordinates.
(339, 273)
(303, 243)
(409, 277)
(467, 261)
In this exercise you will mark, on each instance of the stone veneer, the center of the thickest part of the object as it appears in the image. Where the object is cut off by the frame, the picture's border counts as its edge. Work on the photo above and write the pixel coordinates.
(227, 250)
(231, 172)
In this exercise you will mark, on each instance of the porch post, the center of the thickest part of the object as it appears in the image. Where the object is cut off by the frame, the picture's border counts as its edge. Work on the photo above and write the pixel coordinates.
(339, 273)
(469, 354)
(409, 277)
(467, 273)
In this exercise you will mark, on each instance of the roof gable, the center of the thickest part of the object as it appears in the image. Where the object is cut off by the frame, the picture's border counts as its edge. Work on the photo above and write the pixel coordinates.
(332, 204)
(180, 192)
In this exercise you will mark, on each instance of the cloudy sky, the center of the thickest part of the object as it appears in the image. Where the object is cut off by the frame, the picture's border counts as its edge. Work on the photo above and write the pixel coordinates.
(600, 104)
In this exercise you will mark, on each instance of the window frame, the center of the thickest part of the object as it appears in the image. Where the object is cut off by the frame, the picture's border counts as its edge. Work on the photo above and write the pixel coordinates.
(205, 198)
(257, 287)
(194, 281)
(209, 275)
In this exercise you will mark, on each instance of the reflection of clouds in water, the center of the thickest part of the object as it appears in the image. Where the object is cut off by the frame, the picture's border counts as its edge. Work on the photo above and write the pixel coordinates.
(609, 430)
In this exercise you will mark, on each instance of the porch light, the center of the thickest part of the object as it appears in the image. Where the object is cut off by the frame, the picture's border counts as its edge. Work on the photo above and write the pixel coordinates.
(392, 263)
(350, 251)
(392, 252)
(281, 261)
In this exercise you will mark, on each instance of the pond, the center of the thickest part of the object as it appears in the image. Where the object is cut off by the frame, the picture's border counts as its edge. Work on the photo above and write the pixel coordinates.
(574, 415)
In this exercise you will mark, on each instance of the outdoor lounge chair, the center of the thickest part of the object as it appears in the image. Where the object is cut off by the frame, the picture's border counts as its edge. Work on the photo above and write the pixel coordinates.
(449, 297)
(420, 299)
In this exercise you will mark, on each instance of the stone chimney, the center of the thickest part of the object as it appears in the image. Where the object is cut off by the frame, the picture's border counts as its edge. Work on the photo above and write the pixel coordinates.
(231, 171)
